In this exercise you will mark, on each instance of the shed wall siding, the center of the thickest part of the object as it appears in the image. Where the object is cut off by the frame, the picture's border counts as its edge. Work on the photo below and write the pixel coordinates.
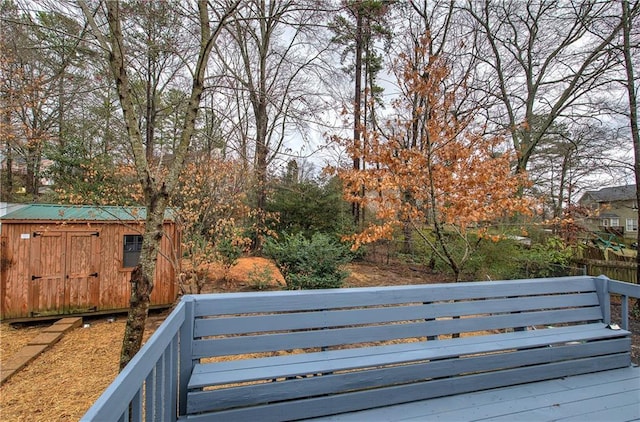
(23, 257)
(15, 284)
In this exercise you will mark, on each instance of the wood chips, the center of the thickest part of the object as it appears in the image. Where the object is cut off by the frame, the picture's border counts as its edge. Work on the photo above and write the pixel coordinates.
(63, 382)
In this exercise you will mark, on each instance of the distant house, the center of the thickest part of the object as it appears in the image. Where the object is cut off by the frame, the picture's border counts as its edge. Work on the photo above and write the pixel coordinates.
(615, 210)
(64, 259)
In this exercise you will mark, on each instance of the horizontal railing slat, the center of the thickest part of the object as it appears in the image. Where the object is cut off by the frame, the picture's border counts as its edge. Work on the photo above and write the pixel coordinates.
(230, 303)
(626, 289)
(331, 318)
(354, 335)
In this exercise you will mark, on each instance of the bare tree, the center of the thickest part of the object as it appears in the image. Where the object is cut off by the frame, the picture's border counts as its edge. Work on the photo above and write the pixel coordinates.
(157, 187)
(42, 59)
(567, 159)
(269, 57)
(543, 58)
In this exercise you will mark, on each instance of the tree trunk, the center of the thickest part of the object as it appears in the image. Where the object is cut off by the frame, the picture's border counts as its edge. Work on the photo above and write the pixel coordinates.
(261, 186)
(627, 18)
(142, 277)
(141, 287)
(357, 104)
(33, 170)
(7, 189)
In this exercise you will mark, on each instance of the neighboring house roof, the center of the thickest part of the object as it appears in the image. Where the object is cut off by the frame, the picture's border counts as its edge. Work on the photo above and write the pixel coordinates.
(81, 213)
(612, 194)
(609, 215)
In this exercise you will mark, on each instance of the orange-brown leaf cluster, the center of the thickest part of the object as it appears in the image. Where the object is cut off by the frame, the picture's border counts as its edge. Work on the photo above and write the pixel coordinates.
(432, 165)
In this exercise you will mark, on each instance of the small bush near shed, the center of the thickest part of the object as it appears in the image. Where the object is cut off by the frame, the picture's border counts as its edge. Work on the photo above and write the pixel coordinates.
(314, 263)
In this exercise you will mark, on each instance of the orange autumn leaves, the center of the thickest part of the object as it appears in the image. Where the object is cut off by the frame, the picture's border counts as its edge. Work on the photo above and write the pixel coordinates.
(432, 164)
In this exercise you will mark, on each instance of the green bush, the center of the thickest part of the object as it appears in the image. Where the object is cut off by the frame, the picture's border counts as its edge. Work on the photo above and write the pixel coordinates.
(314, 263)
(309, 206)
(260, 278)
(547, 259)
(508, 259)
(496, 261)
(228, 251)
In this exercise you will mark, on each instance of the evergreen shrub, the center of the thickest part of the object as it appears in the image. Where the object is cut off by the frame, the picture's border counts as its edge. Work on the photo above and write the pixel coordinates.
(309, 263)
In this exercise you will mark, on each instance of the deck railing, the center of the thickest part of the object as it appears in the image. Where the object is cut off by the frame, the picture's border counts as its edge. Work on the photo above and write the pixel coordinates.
(152, 387)
(624, 291)
(147, 388)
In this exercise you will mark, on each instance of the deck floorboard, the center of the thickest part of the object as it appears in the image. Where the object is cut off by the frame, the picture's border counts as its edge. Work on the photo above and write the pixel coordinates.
(604, 396)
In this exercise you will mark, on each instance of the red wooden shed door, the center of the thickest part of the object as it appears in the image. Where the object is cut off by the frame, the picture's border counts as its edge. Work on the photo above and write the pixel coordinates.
(46, 288)
(82, 277)
(65, 276)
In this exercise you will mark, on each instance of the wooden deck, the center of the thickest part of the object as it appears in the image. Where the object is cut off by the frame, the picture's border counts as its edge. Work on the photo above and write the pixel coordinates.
(343, 334)
(603, 396)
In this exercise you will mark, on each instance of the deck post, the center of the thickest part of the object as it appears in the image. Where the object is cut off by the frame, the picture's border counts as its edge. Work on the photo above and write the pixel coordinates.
(602, 286)
(185, 353)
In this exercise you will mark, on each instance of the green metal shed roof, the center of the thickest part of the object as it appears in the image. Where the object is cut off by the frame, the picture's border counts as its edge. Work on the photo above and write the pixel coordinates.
(81, 213)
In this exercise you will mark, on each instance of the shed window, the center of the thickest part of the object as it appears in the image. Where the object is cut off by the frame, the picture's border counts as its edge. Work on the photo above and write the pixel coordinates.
(132, 246)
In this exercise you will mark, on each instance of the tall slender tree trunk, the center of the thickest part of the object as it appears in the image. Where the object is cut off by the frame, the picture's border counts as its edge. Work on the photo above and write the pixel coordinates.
(33, 159)
(261, 163)
(142, 278)
(627, 18)
(6, 190)
(357, 105)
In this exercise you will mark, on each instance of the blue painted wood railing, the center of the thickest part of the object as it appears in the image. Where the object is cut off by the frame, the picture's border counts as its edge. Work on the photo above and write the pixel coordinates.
(153, 386)
(147, 388)
(624, 291)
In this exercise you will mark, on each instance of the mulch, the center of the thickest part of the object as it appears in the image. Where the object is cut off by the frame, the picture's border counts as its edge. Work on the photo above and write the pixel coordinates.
(63, 382)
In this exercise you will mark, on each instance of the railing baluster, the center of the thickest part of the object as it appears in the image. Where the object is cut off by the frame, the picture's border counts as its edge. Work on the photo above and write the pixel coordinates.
(625, 312)
(185, 352)
(136, 406)
(605, 299)
(163, 395)
(173, 384)
(158, 391)
(149, 392)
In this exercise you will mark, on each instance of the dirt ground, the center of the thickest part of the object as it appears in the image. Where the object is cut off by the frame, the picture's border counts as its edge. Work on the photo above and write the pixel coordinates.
(64, 381)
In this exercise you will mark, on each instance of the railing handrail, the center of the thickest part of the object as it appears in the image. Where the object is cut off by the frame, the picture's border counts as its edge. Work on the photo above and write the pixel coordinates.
(121, 392)
(624, 288)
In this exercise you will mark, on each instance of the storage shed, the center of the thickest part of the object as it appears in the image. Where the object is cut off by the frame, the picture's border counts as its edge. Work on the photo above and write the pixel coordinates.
(62, 259)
